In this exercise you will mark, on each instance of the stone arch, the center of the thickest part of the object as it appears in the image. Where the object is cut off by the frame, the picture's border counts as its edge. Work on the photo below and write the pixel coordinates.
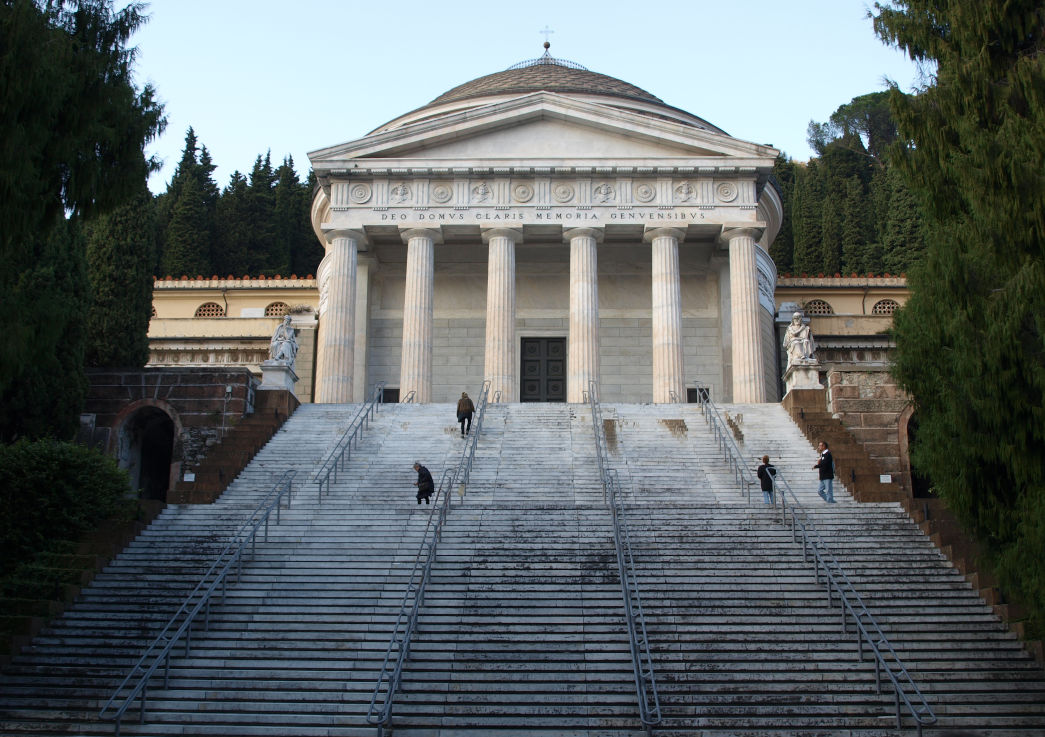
(145, 442)
(919, 485)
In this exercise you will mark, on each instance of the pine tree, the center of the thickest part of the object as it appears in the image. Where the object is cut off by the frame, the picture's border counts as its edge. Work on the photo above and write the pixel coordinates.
(971, 339)
(120, 257)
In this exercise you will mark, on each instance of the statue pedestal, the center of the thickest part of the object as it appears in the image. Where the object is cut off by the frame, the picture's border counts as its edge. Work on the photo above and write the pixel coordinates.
(802, 375)
(277, 375)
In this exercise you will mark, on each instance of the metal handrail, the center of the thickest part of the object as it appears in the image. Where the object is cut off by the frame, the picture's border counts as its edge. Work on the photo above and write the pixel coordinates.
(410, 397)
(342, 451)
(641, 657)
(867, 630)
(726, 444)
(398, 651)
(838, 584)
(135, 685)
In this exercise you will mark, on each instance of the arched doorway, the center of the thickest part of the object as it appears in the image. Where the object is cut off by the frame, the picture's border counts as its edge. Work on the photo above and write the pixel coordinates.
(921, 484)
(146, 446)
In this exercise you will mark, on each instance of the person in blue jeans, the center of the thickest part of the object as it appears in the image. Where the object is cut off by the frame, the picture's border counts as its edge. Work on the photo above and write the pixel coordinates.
(826, 465)
(767, 476)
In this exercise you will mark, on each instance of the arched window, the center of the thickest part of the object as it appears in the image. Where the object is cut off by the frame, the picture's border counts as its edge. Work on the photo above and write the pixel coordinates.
(210, 309)
(818, 307)
(885, 307)
(276, 309)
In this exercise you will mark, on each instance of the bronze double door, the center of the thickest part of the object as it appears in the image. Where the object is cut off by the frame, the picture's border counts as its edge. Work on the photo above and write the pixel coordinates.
(543, 370)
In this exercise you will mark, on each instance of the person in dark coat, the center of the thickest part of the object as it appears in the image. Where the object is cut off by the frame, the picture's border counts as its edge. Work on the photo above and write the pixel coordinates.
(767, 476)
(425, 485)
(465, 408)
(826, 464)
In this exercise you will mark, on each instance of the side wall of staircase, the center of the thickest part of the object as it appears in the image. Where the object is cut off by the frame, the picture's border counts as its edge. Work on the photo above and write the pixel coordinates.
(861, 474)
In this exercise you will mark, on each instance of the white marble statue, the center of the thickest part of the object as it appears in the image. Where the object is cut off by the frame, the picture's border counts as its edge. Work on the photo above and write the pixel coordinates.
(284, 343)
(798, 341)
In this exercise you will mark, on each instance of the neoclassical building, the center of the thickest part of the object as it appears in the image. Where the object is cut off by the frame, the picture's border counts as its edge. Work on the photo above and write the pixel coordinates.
(542, 227)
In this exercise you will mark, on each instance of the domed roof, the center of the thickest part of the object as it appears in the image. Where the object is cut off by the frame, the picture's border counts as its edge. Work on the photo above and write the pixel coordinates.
(545, 74)
(549, 74)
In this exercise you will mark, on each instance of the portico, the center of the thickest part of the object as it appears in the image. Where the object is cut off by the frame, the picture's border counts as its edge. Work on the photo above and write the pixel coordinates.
(636, 232)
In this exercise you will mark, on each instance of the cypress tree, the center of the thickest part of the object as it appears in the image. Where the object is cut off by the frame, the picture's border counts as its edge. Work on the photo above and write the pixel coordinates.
(971, 339)
(189, 209)
(830, 236)
(306, 260)
(856, 227)
(44, 393)
(806, 219)
(265, 255)
(120, 257)
(234, 229)
(879, 203)
(903, 242)
(783, 249)
(73, 127)
(187, 249)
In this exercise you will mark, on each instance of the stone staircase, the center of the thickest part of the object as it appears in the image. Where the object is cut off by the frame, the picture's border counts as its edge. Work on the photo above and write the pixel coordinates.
(522, 630)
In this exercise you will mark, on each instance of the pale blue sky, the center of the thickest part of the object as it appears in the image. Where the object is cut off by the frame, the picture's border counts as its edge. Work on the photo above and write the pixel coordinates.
(297, 76)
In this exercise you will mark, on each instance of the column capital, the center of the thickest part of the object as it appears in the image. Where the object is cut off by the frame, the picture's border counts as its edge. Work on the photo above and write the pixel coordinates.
(652, 232)
(754, 232)
(332, 234)
(436, 234)
(499, 231)
(569, 234)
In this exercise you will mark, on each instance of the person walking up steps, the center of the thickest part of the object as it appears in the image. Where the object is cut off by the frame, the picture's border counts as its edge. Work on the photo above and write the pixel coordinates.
(826, 464)
(767, 476)
(465, 408)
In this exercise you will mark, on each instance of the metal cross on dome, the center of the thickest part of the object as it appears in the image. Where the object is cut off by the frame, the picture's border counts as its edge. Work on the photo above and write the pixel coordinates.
(546, 32)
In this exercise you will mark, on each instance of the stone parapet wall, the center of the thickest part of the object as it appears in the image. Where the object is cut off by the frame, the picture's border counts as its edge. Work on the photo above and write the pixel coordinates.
(196, 397)
(872, 407)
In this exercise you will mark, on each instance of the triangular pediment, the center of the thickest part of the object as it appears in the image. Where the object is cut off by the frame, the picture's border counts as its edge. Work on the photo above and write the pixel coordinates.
(540, 126)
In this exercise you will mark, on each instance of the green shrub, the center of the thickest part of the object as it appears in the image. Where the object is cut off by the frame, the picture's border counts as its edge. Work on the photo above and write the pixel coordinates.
(52, 491)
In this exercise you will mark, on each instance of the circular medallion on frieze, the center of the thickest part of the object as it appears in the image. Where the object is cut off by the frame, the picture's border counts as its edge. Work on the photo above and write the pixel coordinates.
(360, 193)
(522, 192)
(726, 191)
(562, 192)
(441, 193)
(645, 192)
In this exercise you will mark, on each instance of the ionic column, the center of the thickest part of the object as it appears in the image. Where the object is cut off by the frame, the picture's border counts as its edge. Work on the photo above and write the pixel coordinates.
(582, 360)
(501, 368)
(337, 302)
(415, 373)
(667, 314)
(748, 367)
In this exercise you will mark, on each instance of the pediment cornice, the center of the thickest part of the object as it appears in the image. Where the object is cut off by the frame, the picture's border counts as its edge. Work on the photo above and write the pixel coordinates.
(398, 149)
